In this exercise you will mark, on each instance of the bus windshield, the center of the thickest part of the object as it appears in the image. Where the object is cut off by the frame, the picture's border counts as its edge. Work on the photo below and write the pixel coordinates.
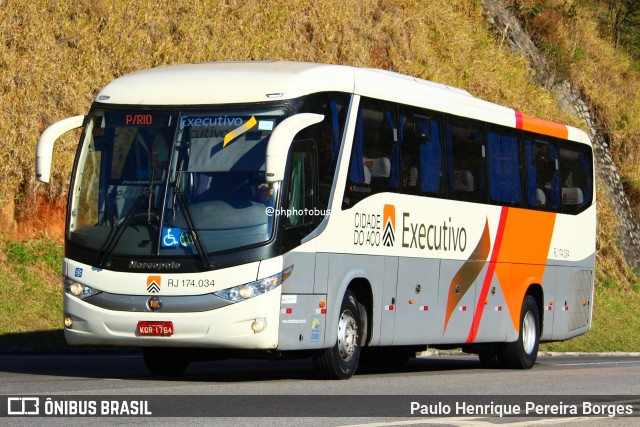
(168, 183)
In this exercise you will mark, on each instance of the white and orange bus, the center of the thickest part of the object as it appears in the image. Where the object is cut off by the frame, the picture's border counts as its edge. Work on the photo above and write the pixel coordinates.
(281, 209)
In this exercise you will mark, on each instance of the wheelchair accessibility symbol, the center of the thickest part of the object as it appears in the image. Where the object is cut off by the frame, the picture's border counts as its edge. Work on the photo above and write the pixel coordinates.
(170, 237)
(174, 237)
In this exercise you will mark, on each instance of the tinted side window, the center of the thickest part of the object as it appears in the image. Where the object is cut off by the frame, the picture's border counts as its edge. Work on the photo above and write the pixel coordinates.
(576, 178)
(326, 134)
(542, 172)
(374, 165)
(300, 198)
(465, 150)
(422, 152)
(505, 178)
(301, 193)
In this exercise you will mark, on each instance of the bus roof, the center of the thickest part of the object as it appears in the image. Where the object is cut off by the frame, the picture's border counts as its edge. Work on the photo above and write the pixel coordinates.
(259, 81)
(226, 82)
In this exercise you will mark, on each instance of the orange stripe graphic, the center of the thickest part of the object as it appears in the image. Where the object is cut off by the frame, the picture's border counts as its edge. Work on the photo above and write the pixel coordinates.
(544, 127)
(487, 279)
(523, 256)
(468, 273)
(518, 260)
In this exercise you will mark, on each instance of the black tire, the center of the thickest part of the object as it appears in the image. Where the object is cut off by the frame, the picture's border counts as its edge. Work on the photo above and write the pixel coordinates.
(341, 361)
(165, 361)
(491, 359)
(522, 354)
(364, 331)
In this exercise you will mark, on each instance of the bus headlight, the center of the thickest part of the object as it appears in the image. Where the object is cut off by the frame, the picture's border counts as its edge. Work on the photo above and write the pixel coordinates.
(253, 289)
(78, 289)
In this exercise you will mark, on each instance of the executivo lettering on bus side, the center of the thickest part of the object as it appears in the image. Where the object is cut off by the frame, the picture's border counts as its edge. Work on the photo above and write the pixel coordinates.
(445, 237)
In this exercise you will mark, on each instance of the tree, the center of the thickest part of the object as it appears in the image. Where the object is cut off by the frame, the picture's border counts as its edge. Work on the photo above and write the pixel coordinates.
(624, 17)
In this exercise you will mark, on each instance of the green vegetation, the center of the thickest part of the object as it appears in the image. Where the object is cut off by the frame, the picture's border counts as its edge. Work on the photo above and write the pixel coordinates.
(55, 57)
(30, 285)
(615, 326)
(579, 38)
(622, 23)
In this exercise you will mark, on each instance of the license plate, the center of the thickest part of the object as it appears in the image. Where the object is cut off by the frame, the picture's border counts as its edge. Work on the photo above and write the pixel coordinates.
(155, 329)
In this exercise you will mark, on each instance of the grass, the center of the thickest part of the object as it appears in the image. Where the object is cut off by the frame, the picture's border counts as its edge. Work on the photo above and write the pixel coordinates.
(570, 32)
(56, 56)
(31, 304)
(30, 285)
(616, 305)
(615, 323)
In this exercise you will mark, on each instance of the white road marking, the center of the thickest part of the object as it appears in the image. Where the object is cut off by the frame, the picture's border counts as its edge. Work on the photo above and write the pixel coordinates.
(546, 421)
(452, 420)
(595, 363)
(475, 422)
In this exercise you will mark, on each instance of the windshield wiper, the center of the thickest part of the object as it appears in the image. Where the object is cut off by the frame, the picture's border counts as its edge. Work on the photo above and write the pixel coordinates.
(113, 239)
(150, 190)
(180, 200)
(188, 219)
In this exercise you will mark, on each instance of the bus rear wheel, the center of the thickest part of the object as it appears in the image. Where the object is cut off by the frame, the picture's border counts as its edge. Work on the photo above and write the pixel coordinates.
(491, 358)
(341, 361)
(165, 361)
(522, 354)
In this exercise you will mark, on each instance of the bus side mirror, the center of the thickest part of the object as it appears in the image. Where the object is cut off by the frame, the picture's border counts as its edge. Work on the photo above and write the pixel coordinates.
(44, 150)
(280, 142)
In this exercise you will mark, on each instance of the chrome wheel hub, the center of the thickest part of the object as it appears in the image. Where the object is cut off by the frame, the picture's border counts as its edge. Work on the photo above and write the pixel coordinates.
(347, 336)
(529, 332)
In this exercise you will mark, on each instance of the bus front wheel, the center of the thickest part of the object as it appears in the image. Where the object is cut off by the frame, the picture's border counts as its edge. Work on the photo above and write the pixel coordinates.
(522, 354)
(341, 360)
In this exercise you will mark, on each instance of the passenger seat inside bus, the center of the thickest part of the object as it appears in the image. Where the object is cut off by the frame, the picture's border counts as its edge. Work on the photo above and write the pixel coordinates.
(463, 181)
(541, 198)
(376, 173)
(367, 175)
(572, 198)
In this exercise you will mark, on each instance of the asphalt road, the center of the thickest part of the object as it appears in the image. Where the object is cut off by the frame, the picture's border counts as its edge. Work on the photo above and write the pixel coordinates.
(256, 385)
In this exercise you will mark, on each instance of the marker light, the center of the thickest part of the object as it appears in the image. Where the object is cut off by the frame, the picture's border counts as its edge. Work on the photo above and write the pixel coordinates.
(254, 289)
(78, 289)
(258, 325)
(68, 321)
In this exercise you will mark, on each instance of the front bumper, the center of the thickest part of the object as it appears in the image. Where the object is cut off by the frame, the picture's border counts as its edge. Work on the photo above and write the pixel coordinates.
(227, 327)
